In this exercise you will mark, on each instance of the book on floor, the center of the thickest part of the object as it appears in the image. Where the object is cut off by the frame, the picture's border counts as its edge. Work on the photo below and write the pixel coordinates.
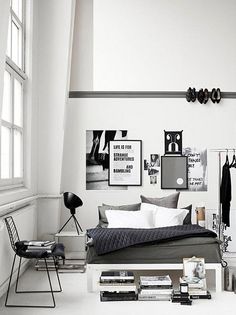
(155, 280)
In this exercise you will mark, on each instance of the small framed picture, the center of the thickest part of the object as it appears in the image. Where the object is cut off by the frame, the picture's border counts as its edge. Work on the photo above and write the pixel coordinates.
(174, 172)
(125, 163)
(194, 268)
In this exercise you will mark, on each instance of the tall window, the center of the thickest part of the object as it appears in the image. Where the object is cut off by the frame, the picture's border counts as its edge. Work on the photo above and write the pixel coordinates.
(12, 115)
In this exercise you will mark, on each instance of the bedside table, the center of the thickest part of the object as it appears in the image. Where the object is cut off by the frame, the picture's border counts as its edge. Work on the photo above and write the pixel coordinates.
(75, 260)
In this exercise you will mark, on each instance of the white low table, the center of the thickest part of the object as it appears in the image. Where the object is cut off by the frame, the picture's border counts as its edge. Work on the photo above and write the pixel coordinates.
(94, 271)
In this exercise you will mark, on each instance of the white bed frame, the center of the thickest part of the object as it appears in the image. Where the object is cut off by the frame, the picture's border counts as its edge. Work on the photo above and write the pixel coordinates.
(94, 271)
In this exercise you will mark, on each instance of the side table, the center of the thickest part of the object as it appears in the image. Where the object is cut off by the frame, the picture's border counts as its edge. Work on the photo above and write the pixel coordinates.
(71, 262)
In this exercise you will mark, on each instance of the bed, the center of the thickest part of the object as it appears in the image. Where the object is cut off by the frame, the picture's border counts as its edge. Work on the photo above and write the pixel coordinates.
(154, 254)
(159, 249)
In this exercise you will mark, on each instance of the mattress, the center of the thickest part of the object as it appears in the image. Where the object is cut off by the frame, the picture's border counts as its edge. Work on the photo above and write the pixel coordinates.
(167, 252)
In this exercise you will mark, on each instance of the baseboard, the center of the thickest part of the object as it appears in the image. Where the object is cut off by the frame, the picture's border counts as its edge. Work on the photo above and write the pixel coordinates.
(3, 287)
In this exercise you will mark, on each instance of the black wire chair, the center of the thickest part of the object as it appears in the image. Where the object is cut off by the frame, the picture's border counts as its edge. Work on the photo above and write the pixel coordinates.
(20, 250)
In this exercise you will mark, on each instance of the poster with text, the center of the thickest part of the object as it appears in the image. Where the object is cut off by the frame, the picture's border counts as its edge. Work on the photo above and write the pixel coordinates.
(125, 163)
(197, 168)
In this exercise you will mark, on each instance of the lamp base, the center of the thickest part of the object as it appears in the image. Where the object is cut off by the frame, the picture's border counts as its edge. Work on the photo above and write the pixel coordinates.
(77, 225)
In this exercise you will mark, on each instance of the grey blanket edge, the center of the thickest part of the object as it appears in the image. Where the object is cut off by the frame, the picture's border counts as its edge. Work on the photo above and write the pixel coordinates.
(107, 240)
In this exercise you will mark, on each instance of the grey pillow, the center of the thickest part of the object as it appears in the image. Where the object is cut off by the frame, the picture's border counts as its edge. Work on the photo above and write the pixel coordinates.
(102, 215)
(170, 201)
(188, 218)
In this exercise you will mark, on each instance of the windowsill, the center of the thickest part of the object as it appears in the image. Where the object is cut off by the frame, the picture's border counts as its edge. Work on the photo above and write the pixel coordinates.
(11, 188)
(14, 194)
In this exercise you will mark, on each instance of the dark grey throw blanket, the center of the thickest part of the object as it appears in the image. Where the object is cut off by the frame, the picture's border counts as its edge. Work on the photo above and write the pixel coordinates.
(107, 240)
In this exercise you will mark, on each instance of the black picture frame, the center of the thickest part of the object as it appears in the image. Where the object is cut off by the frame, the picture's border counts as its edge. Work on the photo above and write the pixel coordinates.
(125, 163)
(173, 142)
(174, 172)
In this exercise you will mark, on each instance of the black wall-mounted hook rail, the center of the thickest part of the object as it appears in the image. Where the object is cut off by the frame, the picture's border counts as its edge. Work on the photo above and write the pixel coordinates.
(138, 94)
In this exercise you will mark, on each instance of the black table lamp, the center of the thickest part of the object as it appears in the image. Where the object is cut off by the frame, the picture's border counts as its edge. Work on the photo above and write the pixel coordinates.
(72, 202)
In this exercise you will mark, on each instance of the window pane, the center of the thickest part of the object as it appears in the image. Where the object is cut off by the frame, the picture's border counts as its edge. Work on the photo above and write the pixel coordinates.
(15, 43)
(17, 154)
(6, 105)
(9, 39)
(20, 49)
(18, 108)
(5, 152)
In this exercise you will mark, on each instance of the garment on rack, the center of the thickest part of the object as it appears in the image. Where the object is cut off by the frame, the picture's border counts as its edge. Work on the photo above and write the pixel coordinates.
(225, 193)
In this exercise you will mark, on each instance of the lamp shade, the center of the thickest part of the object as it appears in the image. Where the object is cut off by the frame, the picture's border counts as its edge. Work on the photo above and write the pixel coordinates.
(72, 201)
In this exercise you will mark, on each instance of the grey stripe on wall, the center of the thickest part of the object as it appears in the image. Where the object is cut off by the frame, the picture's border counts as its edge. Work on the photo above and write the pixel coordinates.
(137, 94)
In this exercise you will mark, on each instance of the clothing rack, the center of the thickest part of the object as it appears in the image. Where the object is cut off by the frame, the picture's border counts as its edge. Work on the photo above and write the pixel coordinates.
(220, 226)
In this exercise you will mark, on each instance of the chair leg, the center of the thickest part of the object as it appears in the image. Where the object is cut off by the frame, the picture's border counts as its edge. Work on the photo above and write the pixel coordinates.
(9, 284)
(48, 291)
(17, 278)
(58, 279)
(37, 291)
(50, 283)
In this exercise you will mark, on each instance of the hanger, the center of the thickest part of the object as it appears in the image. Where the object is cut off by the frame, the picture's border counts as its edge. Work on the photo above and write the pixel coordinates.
(227, 157)
(233, 164)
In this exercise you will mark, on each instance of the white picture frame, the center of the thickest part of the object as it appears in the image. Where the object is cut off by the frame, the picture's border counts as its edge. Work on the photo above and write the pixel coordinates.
(194, 268)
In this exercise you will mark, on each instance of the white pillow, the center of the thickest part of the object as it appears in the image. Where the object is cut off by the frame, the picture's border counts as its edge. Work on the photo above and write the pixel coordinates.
(129, 219)
(169, 216)
(151, 209)
(148, 207)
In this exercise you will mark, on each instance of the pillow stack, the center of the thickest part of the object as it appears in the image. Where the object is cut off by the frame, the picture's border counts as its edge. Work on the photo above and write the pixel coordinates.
(151, 213)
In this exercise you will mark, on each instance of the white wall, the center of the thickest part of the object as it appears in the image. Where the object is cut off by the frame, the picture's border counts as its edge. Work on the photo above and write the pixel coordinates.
(82, 53)
(164, 45)
(153, 45)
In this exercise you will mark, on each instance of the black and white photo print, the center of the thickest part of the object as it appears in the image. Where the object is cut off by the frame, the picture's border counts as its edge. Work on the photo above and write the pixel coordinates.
(153, 179)
(154, 160)
(97, 157)
(145, 165)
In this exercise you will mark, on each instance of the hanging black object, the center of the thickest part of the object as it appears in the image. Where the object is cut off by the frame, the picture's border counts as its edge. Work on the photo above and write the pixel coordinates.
(206, 96)
(225, 192)
(233, 163)
(218, 95)
(201, 96)
(173, 142)
(191, 95)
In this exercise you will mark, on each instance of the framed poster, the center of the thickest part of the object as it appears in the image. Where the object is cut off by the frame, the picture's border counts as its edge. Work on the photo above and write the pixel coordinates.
(174, 172)
(125, 163)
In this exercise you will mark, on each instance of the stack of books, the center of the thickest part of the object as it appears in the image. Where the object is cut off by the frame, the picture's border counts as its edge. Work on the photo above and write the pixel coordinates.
(40, 265)
(182, 298)
(40, 246)
(155, 288)
(197, 288)
(117, 286)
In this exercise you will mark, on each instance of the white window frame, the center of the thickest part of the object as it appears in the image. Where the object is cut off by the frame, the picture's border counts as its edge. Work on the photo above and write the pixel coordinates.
(20, 75)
